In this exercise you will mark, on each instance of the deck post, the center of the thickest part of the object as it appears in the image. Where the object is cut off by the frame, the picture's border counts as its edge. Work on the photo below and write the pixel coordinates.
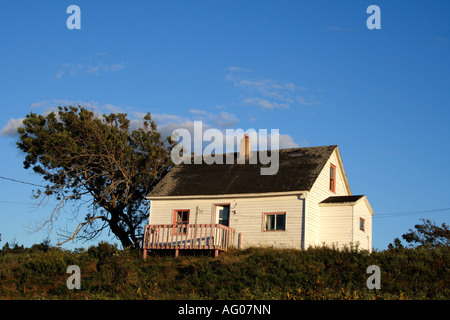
(177, 251)
(144, 242)
(216, 253)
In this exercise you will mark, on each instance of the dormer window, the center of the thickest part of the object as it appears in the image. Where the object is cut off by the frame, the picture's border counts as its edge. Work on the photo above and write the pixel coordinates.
(332, 178)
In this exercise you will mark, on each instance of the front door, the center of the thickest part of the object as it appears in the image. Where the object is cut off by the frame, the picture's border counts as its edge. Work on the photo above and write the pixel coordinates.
(223, 214)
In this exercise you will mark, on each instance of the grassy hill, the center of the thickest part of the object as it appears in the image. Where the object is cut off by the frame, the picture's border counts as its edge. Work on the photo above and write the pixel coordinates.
(39, 272)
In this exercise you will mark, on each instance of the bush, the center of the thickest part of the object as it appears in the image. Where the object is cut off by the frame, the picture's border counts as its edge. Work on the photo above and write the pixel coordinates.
(255, 273)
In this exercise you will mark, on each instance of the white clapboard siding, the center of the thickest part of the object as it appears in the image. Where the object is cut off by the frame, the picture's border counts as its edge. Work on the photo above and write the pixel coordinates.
(362, 238)
(340, 225)
(319, 192)
(336, 226)
(246, 217)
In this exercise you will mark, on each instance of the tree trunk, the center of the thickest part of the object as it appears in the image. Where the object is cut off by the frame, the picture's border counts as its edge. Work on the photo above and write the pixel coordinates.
(121, 234)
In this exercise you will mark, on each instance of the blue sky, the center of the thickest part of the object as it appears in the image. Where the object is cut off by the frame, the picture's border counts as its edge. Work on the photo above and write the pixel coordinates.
(311, 69)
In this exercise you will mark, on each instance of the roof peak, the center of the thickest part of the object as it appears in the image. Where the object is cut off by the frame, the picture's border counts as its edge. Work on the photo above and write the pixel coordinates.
(283, 150)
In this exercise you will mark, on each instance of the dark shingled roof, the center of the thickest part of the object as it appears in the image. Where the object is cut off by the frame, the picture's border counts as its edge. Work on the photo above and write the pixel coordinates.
(342, 199)
(298, 169)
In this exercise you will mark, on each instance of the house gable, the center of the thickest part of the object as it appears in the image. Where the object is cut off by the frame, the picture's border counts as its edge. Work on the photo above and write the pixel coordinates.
(320, 191)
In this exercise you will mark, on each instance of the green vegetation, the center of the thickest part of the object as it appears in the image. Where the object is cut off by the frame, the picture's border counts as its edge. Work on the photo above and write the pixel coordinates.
(39, 272)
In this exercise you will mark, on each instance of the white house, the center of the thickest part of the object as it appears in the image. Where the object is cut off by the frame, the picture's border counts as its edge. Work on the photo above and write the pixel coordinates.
(218, 206)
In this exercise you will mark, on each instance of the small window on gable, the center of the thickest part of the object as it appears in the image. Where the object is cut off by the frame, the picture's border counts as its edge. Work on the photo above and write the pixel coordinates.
(361, 224)
(332, 178)
(275, 221)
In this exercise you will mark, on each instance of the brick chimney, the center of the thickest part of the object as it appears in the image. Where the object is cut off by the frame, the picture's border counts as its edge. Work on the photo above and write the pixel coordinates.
(245, 147)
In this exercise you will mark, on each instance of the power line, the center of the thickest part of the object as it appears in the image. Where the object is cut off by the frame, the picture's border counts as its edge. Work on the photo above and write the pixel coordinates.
(20, 181)
(13, 202)
(407, 213)
(378, 215)
(419, 211)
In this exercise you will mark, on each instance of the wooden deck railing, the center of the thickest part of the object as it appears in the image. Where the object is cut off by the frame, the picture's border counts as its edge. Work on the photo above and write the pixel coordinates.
(188, 236)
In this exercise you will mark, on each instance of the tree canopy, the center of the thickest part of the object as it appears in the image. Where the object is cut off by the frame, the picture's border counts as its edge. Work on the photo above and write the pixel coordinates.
(98, 162)
(425, 235)
(428, 234)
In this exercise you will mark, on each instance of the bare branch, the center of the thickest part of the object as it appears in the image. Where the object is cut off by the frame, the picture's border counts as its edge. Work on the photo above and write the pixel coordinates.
(78, 229)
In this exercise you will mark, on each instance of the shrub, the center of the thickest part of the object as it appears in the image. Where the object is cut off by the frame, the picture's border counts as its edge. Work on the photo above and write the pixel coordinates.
(254, 273)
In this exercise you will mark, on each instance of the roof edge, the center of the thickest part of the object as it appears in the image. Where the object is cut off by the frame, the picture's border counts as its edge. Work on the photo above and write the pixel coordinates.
(348, 203)
(234, 195)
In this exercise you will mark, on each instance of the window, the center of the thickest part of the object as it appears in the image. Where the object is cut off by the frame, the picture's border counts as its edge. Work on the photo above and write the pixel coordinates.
(361, 224)
(332, 178)
(181, 219)
(222, 212)
(275, 221)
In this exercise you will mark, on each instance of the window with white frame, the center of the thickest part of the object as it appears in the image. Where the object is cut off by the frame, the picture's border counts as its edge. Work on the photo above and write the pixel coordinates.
(275, 221)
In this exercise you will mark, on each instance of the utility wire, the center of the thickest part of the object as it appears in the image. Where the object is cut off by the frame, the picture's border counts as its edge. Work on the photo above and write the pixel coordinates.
(378, 215)
(24, 182)
(13, 202)
(407, 213)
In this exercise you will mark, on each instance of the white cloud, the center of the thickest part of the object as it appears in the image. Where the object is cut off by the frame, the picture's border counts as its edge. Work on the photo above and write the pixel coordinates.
(169, 123)
(268, 93)
(165, 118)
(226, 120)
(166, 123)
(238, 69)
(113, 67)
(262, 140)
(112, 108)
(95, 68)
(265, 103)
(59, 74)
(11, 127)
(286, 141)
(92, 69)
(37, 105)
(221, 120)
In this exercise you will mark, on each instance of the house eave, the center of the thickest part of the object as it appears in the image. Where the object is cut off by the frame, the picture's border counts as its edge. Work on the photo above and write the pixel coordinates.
(236, 195)
(349, 203)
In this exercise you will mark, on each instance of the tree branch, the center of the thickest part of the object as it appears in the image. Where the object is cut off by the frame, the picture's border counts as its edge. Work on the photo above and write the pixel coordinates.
(78, 229)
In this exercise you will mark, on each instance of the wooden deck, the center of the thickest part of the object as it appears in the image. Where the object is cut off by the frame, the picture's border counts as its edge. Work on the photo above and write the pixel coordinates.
(215, 237)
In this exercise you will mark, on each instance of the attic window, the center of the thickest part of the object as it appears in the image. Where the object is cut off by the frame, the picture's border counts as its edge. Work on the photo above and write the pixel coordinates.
(275, 221)
(332, 177)
(361, 224)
